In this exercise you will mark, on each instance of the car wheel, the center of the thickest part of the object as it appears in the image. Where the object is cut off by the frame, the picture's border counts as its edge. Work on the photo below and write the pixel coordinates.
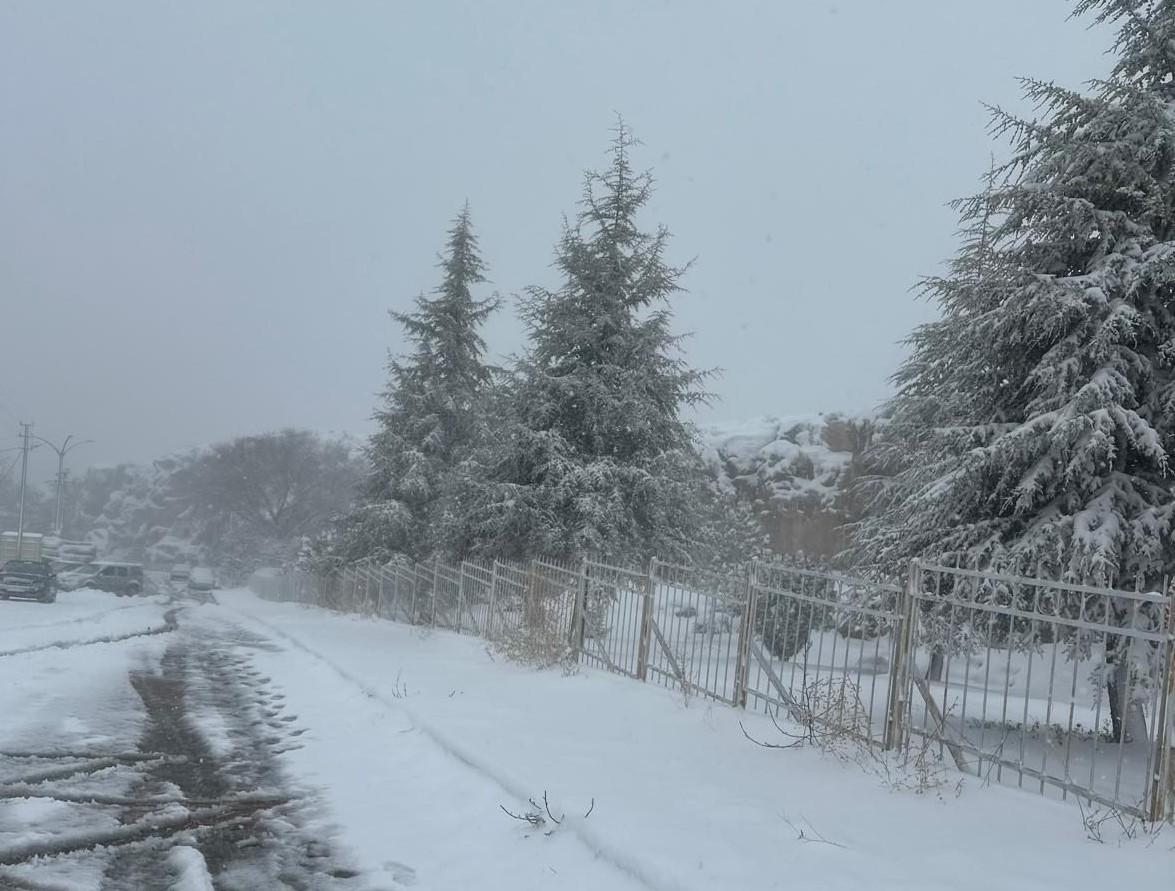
(49, 596)
(133, 590)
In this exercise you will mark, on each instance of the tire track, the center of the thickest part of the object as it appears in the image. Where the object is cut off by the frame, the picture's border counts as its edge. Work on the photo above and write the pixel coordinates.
(259, 833)
(77, 620)
(207, 775)
(169, 624)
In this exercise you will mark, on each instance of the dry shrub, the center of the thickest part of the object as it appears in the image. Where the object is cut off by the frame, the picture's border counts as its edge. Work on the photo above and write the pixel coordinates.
(539, 640)
(830, 715)
(538, 647)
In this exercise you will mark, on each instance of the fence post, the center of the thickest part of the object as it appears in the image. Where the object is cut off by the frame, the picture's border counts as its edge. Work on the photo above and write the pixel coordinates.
(415, 593)
(436, 584)
(395, 592)
(493, 600)
(577, 615)
(460, 596)
(642, 655)
(1162, 791)
(903, 646)
(746, 629)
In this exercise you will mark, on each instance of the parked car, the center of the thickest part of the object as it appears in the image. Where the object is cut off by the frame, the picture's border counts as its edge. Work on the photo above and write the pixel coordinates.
(61, 567)
(117, 578)
(201, 583)
(201, 579)
(74, 576)
(28, 579)
(180, 572)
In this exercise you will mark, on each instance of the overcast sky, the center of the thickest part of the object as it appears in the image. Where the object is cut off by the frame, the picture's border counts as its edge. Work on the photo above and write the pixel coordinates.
(207, 208)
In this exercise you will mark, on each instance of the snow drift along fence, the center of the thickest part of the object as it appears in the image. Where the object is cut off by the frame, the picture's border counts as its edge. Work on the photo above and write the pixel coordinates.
(1063, 689)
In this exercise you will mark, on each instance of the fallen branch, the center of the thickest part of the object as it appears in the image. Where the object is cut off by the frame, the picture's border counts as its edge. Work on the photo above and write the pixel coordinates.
(811, 835)
(538, 816)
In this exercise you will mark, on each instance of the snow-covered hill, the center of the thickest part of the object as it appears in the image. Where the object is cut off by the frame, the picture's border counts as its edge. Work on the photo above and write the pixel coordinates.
(795, 470)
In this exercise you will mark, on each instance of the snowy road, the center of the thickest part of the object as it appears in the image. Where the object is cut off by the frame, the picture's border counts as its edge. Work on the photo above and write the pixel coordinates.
(131, 731)
(144, 747)
(162, 743)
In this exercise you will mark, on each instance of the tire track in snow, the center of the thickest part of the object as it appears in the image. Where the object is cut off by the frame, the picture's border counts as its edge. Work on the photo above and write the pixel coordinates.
(169, 625)
(620, 859)
(77, 620)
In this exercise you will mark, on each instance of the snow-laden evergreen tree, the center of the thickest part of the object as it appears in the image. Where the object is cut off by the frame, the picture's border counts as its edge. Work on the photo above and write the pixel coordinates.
(427, 424)
(1032, 425)
(728, 533)
(595, 457)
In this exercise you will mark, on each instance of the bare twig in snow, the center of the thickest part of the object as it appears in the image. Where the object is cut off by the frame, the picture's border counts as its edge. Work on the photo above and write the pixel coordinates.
(809, 835)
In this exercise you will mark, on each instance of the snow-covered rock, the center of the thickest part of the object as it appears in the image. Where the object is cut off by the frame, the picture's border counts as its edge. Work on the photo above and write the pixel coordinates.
(795, 470)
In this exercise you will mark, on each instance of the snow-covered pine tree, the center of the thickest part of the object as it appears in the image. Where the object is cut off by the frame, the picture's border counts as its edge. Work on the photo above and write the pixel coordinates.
(728, 534)
(1032, 424)
(429, 416)
(596, 457)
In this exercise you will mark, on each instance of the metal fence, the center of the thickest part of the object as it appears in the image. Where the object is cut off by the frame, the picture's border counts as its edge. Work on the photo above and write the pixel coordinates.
(1065, 689)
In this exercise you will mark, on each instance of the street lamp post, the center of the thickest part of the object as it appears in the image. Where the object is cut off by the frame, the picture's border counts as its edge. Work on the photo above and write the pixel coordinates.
(61, 451)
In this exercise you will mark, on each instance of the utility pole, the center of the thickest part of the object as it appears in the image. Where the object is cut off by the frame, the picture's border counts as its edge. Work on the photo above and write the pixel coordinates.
(61, 451)
(24, 481)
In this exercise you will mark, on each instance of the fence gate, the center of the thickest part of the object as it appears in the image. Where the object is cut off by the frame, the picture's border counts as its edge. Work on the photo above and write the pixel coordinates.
(824, 647)
(696, 629)
(1060, 688)
(611, 624)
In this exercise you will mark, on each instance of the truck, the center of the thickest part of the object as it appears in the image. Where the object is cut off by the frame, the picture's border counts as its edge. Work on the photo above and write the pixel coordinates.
(31, 546)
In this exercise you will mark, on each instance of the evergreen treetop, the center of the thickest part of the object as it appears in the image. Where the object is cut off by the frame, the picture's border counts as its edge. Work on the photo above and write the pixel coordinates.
(1032, 423)
(428, 419)
(597, 457)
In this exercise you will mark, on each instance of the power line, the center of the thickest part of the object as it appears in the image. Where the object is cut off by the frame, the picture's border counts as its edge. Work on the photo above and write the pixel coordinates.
(4, 475)
(4, 408)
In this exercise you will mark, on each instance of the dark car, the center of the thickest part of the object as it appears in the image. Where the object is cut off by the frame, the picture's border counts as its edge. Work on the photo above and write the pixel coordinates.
(29, 579)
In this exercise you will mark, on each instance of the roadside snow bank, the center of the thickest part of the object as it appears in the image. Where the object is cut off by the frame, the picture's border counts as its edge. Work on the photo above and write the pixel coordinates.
(77, 616)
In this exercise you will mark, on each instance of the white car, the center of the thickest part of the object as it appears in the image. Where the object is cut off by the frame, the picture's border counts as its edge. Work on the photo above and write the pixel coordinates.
(201, 579)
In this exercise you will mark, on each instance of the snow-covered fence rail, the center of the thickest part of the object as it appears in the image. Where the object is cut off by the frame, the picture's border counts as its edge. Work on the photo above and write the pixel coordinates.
(1063, 689)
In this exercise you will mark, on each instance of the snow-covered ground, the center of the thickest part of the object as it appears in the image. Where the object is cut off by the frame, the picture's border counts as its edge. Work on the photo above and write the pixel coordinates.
(64, 667)
(403, 747)
(77, 617)
(418, 738)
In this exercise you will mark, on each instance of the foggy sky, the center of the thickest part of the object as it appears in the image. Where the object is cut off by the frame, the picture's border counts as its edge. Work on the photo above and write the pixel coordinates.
(207, 209)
